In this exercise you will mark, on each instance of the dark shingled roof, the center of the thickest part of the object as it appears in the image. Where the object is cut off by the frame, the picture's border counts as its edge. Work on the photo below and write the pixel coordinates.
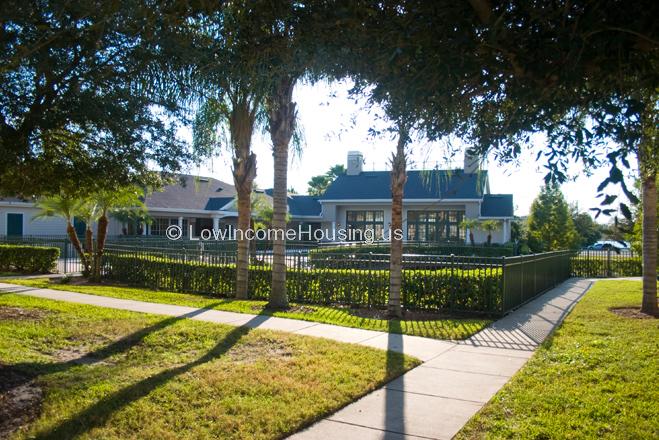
(497, 205)
(203, 193)
(434, 184)
(300, 204)
(303, 205)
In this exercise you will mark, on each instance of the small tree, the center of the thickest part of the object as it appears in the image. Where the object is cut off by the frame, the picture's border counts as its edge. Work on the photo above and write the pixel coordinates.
(470, 224)
(66, 206)
(318, 184)
(93, 208)
(490, 226)
(550, 224)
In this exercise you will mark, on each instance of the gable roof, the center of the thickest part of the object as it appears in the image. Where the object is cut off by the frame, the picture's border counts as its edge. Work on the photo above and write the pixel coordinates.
(431, 184)
(497, 205)
(192, 192)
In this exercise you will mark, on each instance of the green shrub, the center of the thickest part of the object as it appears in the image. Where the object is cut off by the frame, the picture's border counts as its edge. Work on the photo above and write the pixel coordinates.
(602, 267)
(28, 259)
(474, 290)
(321, 257)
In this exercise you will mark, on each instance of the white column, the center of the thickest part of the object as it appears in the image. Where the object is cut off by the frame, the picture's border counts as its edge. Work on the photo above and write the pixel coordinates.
(216, 222)
(180, 222)
(144, 226)
(505, 231)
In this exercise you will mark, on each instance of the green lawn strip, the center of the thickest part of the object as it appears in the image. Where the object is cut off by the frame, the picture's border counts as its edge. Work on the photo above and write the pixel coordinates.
(148, 376)
(447, 328)
(595, 378)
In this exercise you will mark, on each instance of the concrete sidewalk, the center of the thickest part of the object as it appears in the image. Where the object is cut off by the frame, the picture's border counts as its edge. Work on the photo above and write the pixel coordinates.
(433, 400)
(437, 398)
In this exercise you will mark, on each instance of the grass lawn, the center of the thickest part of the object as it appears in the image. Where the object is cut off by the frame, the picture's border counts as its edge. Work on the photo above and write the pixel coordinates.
(110, 374)
(445, 328)
(597, 377)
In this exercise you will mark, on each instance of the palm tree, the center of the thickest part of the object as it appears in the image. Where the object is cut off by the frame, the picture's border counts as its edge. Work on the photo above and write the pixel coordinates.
(238, 108)
(490, 226)
(67, 207)
(398, 179)
(127, 199)
(281, 120)
(470, 224)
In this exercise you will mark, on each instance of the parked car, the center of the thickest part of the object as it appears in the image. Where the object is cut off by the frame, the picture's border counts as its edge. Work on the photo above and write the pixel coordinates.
(605, 245)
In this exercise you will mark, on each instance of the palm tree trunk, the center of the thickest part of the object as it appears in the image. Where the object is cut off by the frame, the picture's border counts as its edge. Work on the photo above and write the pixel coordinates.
(241, 126)
(73, 236)
(398, 179)
(100, 244)
(282, 114)
(648, 162)
(649, 195)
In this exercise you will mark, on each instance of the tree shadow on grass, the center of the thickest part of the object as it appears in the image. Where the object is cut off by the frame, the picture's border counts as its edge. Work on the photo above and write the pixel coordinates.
(36, 369)
(98, 414)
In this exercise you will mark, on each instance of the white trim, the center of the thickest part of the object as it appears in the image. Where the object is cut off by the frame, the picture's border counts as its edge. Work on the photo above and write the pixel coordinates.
(408, 201)
(22, 214)
(18, 204)
(307, 217)
(189, 211)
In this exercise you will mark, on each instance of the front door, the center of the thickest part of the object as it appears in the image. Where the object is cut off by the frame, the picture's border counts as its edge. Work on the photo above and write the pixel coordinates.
(15, 224)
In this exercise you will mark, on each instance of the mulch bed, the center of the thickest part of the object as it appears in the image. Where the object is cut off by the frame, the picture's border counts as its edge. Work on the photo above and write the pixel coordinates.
(631, 312)
(20, 400)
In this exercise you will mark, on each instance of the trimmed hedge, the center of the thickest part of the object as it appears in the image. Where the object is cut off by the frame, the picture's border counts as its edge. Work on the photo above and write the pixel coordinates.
(320, 255)
(601, 267)
(28, 259)
(473, 290)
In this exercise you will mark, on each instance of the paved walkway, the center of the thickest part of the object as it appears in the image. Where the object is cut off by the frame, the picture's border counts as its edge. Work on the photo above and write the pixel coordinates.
(433, 400)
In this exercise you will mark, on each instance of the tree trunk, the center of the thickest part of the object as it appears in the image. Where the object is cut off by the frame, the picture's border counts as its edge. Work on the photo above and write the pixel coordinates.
(100, 245)
(648, 162)
(398, 179)
(649, 195)
(241, 126)
(73, 236)
(282, 114)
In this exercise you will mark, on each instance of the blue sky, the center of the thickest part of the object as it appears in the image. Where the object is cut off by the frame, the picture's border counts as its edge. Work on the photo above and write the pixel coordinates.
(334, 124)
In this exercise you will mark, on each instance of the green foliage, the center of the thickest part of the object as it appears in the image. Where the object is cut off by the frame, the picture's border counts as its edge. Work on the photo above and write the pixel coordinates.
(600, 266)
(78, 102)
(28, 259)
(474, 290)
(317, 256)
(318, 184)
(587, 229)
(550, 225)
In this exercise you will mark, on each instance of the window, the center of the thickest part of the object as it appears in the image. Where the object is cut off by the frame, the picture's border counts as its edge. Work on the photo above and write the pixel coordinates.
(14, 224)
(434, 225)
(358, 222)
(160, 224)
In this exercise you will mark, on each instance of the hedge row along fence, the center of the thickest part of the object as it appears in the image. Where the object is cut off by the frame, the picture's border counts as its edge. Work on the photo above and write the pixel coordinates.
(471, 290)
(28, 259)
(460, 284)
(457, 249)
(607, 264)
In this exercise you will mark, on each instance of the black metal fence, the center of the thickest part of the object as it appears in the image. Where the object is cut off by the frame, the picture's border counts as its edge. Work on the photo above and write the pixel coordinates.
(491, 285)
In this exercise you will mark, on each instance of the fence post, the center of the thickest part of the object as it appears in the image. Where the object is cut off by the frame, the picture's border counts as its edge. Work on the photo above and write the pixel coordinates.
(66, 252)
(608, 262)
(504, 296)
